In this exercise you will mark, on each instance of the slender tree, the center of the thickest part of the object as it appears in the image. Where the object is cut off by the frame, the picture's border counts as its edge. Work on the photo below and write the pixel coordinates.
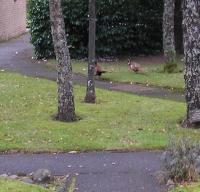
(66, 109)
(178, 28)
(191, 29)
(90, 92)
(168, 33)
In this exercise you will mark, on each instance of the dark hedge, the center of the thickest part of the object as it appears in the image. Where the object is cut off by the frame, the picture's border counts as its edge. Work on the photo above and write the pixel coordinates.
(124, 27)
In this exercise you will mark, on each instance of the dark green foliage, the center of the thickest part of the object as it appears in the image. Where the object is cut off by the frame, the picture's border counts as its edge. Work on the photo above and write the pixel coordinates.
(129, 27)
(125, 27)
(171, 67)
(39, 23)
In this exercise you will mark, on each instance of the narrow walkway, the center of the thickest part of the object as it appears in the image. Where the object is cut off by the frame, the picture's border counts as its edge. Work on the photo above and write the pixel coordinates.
(16, 54)
(96, 172)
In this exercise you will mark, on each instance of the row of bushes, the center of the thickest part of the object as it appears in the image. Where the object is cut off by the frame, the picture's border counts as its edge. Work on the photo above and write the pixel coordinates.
(124, 27)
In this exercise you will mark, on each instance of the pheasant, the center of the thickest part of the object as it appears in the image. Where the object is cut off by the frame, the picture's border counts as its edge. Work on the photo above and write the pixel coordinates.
(133, 66)
(98, 70)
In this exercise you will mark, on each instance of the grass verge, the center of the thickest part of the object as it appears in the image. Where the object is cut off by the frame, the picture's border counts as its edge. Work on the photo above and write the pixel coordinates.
(117, 121)
(72, 187)
(16, 186)
(119, 72)
(188, 188)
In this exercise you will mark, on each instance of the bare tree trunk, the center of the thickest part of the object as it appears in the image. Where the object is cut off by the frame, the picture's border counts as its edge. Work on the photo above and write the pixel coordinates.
(66, 109)
(90, 93)
(191, 28)
(178, 28)
(168, 31)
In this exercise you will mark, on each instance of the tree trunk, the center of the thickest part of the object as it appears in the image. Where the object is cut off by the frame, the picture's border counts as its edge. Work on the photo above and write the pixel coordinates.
(168, 31)
(191, 29)
(66, 109)
(178, 29)
(90, 93)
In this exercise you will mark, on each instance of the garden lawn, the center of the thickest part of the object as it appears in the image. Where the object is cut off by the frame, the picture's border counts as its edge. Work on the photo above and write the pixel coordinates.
(117, 121)
(118, 71)
(188, 188)
(16, 186)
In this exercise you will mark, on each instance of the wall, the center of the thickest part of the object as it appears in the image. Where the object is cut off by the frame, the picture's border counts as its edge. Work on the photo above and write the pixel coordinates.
(12, 18)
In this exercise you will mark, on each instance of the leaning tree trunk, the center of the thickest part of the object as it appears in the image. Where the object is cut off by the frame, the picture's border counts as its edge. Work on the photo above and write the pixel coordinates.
(66, 109)
(90, 92)
(168, 31)
(191, 28)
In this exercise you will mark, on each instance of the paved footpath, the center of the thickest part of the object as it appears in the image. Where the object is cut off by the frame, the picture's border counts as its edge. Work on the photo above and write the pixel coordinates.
(98, 171)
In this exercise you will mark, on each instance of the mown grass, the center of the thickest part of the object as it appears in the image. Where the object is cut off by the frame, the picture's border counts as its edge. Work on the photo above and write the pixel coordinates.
(117, 121)
(72, 187)
(16, 186)
(195, 187)
(118, 71)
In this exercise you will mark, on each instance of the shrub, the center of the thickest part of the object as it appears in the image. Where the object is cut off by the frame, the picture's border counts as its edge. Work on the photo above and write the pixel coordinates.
(182, 160)
(171, 67)
(40, 29)
(125, 27)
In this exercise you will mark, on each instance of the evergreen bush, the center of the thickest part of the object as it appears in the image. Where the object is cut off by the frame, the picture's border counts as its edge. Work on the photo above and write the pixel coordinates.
(124, 27)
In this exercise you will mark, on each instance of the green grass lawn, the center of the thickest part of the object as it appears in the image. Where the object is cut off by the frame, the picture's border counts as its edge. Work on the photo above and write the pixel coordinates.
(16, 186)
(117, 121)
(118, 71)
(188, 188)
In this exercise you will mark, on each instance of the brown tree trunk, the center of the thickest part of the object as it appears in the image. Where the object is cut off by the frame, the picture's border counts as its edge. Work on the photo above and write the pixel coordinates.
(191, 28)
(168, 31)
(66, 109)
(90, 92)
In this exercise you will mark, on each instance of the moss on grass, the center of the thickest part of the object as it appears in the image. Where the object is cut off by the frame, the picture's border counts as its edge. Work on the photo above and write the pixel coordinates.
(16, 186)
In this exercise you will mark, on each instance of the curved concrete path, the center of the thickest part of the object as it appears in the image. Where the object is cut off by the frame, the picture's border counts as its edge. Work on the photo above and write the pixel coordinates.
(16, 54)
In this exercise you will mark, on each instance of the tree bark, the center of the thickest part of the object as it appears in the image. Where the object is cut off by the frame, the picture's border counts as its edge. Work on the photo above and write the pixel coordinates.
(66, 109)
(90, 92)
(191, 29)
(168, 31)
